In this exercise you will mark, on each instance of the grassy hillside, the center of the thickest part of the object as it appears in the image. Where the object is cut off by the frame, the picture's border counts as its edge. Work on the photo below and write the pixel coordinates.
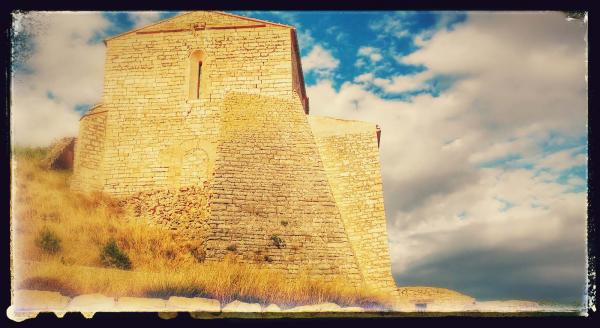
(78, 244)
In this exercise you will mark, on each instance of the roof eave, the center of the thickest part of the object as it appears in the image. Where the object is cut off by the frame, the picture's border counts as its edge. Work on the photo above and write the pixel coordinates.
(189, 12)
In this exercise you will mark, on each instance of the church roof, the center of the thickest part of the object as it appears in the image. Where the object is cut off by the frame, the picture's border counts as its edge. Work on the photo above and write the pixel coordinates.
(186, 15)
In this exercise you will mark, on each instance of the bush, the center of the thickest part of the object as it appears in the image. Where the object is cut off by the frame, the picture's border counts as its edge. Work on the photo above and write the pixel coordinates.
(48, 241)
(113, 256)
(232, 247)
(277, 241)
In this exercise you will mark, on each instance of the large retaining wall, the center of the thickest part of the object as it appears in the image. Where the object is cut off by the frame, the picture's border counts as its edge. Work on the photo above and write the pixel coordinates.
(271, 199)
(350, 156)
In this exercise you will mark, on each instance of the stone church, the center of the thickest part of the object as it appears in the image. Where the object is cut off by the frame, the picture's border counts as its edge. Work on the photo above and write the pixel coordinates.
(216, 103)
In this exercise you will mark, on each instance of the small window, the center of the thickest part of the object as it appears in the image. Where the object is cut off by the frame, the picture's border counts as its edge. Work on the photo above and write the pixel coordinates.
(199, 79)
(196, 84)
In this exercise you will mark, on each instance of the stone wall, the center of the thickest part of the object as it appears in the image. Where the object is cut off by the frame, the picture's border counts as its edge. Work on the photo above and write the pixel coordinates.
(350, 156)
(184, 211)
(152, 123)
(279, 194)
(270, 199)
(89, 150)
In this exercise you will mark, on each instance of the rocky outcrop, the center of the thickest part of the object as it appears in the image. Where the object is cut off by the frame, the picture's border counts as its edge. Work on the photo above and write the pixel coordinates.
(60, 156)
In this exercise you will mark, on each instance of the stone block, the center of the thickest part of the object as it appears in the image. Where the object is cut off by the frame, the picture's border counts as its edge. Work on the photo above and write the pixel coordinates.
(237, 306)
(140, 304)
(196, 304)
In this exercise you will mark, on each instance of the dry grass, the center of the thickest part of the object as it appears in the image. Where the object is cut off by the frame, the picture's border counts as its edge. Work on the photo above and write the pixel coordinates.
(162, 266)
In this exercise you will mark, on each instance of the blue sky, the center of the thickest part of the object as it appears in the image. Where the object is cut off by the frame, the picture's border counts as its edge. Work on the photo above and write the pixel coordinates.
(484, 120)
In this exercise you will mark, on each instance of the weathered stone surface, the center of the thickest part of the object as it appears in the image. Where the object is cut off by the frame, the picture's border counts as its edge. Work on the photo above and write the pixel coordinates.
(196, 304)
(272, 308)
(224, 110)
(278, 181)
(323, 307)
(90, 303)
(60, 155)
(184, 211)
(237, 306)
(140, 304)
(37, 300)
(349, 151)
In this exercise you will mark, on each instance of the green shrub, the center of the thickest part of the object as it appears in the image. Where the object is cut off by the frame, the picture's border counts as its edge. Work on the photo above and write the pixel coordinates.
(48, 241)
(277, 241)
(113, 256)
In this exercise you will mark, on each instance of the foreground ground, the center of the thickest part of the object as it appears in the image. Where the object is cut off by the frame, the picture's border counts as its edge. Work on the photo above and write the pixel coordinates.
(80, 244)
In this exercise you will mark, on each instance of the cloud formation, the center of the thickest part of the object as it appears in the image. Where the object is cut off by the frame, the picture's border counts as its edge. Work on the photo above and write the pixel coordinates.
(143, 18)
(320, 61)
(66, 71)
(517, 78)
(371, 53)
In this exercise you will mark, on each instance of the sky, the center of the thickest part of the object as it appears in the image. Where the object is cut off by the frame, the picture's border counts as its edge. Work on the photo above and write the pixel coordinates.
(484, 129)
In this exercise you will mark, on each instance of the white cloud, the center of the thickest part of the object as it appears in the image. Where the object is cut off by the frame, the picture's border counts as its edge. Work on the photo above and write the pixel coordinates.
(335, 31)
(320, 61)
(562, 160)
(518, 78)
(373, 54)
(364, 78)
(534, 201)
(403, 83)
(66, 65)
(143, 18)
(305, 39)
(395, 24)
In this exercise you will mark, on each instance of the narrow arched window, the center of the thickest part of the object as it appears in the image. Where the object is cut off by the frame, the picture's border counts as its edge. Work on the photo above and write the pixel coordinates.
(195, 75)
(199, 79)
